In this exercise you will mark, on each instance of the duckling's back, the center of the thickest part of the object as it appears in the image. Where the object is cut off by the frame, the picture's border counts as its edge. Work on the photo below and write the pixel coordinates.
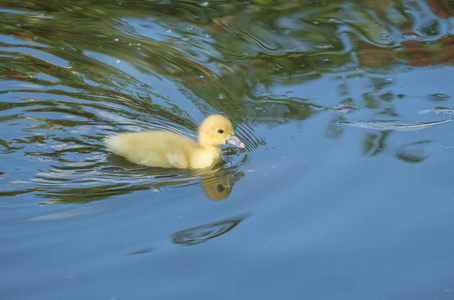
(163, 149)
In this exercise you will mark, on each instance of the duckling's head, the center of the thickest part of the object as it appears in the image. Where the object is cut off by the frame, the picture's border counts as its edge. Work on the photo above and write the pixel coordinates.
(217, 130)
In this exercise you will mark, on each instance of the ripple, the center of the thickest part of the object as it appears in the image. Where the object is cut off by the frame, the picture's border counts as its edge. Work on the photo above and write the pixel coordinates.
(392, 125)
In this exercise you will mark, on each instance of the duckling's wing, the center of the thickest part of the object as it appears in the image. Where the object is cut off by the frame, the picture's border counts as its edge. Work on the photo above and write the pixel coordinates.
(154, 148)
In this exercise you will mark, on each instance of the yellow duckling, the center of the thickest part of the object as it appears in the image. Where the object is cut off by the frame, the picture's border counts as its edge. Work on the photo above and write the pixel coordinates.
(171, 150)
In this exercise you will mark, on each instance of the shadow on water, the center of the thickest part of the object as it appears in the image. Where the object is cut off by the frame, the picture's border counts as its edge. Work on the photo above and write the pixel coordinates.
(203, 233)
(199, 234)
(73, 73)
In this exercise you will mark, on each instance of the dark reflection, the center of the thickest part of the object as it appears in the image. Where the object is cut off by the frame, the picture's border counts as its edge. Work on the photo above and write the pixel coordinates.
(375, 143)
(143, 251)
(414, 152)
(201, 234)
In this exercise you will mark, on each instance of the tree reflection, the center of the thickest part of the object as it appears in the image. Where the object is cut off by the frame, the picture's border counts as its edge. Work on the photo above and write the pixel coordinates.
(75, 71)
(230, 49)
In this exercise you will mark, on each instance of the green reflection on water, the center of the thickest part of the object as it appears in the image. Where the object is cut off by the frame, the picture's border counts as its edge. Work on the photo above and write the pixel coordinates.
(75, 71)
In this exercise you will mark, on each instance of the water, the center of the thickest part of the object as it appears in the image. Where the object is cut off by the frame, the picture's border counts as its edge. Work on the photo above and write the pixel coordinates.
(343, 191)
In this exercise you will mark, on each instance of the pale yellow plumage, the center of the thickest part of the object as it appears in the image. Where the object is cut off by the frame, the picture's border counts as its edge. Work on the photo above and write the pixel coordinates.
(171, 150)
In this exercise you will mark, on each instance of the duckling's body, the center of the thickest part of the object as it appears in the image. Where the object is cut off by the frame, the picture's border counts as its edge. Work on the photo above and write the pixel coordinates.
(163, 149)
(167, 149)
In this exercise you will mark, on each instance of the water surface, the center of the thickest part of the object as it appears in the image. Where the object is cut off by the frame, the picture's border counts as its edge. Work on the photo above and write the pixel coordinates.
(344, 190)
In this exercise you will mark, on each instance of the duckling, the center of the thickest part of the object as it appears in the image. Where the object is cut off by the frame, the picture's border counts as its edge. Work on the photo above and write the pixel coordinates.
(167, 149)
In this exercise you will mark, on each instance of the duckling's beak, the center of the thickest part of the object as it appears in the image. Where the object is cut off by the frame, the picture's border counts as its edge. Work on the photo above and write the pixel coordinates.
(235, 142)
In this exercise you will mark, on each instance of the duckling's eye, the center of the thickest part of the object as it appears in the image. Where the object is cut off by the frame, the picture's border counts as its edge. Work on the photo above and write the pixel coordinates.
(220, 131)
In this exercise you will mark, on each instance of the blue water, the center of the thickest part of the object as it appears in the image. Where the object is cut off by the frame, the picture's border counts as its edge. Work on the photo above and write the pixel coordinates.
(344, 190)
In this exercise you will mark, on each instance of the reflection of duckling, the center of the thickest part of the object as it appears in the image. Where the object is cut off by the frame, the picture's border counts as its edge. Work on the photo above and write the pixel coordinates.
(171, 150)
(219, 186)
